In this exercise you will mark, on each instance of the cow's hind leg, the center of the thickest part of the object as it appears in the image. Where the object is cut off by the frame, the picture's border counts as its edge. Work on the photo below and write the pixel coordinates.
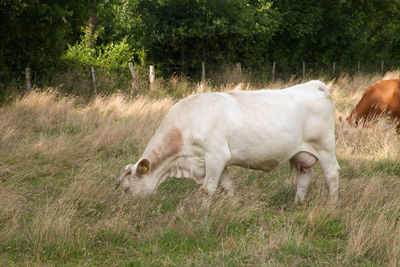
(303, 180)
(303, 163)
(330, 168)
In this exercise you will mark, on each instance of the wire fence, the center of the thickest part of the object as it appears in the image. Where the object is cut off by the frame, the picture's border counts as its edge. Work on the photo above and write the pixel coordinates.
(202, 72)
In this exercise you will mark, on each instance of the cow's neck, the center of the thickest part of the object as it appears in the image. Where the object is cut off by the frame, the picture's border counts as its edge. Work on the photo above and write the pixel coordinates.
(166, 144)
(167, 158)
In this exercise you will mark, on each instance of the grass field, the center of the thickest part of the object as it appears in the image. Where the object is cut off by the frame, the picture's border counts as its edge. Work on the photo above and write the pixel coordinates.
(60, 157)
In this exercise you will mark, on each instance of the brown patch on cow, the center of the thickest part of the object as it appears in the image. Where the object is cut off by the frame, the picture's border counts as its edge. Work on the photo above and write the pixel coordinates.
(382, 98)
(170, 146)
(266, 165)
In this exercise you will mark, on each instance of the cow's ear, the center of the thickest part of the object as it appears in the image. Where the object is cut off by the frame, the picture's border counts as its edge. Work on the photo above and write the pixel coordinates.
(142, 167)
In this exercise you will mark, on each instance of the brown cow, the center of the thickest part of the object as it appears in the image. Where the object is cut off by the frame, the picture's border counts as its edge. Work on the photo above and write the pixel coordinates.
(382, 98)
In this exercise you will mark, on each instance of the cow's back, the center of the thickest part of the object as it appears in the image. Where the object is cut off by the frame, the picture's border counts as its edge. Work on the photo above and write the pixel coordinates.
(384, 91)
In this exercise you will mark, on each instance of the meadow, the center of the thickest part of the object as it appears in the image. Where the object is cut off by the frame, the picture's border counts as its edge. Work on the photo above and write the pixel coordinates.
(60, 157)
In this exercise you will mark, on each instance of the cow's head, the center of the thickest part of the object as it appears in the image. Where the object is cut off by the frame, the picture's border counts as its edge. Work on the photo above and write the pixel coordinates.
(139, 179)
(352, 119)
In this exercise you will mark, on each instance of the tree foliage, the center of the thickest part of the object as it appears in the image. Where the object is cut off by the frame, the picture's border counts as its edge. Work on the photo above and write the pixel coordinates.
(183, 33)
(36, 32)
(186, 32)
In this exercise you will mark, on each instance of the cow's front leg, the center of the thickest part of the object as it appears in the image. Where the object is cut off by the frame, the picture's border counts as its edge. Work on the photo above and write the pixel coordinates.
(215, 165)
(213, 176)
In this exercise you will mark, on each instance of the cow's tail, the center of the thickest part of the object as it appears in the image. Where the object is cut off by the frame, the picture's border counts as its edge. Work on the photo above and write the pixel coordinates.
(320, 86)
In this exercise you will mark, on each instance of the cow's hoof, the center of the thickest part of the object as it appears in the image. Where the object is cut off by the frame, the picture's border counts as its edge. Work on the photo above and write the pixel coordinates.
(204, 191)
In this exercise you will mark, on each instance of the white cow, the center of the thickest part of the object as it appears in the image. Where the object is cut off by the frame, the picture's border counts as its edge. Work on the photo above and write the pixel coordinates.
(203, 134)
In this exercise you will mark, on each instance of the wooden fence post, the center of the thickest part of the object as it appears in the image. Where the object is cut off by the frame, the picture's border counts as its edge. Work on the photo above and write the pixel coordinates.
(304, 69)
(152, 77)
(28, 79)
(333, 68)
(135, 82)
(273, 71)
(239, 70)
(203, 72)
(152, 74)
(358, 67)
(94, 80)
(382, 66)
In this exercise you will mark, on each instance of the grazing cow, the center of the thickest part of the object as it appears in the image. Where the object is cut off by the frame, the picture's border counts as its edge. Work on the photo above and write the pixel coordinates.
(203, 134)
(382, 98)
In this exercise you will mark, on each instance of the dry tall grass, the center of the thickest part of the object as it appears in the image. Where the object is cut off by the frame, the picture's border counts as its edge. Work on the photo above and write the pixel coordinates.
(59, 159)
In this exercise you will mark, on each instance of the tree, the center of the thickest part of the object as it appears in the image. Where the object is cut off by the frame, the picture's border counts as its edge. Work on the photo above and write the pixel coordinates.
(182, 33)
(36, 32)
